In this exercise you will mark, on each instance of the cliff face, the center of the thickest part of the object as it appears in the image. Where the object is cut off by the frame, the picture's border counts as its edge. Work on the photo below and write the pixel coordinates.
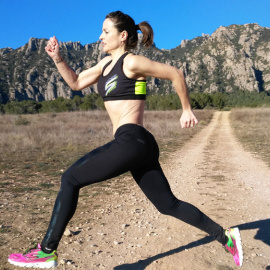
(28, 73)
(234, 57)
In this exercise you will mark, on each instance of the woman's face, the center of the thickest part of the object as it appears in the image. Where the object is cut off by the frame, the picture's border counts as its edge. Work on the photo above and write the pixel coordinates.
(110, 37)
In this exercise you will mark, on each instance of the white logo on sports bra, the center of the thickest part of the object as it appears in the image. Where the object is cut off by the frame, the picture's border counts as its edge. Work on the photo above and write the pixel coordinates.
(111, 84)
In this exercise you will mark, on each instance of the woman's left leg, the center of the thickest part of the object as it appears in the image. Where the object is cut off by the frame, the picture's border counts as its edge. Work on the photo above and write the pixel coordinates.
(155, 186)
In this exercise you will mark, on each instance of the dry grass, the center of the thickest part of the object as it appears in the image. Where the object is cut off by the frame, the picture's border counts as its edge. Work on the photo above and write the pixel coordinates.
(252, 128)
(33, 147)
(63, 137)
(36, 149)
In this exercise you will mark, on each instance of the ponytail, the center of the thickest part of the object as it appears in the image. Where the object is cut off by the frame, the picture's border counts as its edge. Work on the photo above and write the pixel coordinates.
(148, 34)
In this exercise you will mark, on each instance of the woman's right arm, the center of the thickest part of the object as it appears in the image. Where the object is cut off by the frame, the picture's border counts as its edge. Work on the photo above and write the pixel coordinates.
(75, 81)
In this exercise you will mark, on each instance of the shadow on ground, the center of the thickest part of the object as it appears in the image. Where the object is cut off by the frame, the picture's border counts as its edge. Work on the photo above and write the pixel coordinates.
(142, 264)
(263, 227)
(263, 234)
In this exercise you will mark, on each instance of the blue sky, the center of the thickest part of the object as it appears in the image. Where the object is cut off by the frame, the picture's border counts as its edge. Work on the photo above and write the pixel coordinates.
(81, 20)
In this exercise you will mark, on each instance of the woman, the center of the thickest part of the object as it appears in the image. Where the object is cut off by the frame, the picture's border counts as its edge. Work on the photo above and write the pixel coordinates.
(121, 79)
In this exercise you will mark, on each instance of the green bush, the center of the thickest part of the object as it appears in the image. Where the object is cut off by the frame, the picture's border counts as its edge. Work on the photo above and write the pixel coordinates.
(22, 107)
(219, 100)
(163, 102)
(91, 102)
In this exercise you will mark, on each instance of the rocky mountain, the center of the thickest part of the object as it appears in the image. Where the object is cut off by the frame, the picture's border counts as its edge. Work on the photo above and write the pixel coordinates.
(232, 58)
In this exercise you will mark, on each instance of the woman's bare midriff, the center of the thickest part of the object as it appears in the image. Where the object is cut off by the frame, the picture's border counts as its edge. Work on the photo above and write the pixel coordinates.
(123, 112)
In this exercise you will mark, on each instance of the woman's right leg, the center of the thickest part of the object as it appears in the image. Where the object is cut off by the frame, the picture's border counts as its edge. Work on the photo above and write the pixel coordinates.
(64, 208)
(127, 150)
(98, 165)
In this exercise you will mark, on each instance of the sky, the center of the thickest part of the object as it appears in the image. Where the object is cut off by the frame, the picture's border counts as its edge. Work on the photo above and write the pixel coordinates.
(82, 20)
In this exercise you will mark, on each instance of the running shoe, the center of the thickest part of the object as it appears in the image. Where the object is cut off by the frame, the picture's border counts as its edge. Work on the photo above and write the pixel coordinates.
(34, 257)
(234, 245)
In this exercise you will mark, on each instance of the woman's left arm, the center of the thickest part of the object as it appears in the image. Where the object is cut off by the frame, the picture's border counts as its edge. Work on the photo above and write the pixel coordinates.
(142, 66)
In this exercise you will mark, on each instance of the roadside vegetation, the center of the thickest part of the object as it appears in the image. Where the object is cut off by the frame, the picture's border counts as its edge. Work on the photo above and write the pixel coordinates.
(218, 100)
(252, 128)
(34, 147)
(47, 143)
(41, 146)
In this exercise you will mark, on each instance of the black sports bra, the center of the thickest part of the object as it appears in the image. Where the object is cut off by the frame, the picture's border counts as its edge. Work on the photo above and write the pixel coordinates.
(117, 86)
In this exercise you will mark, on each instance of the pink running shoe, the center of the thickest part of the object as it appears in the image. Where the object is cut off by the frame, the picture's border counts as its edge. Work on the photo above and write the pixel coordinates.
(234, 245)
(34, 257)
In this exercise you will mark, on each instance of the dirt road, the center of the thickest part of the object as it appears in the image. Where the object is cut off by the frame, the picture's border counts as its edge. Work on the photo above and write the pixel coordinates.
(211, 171)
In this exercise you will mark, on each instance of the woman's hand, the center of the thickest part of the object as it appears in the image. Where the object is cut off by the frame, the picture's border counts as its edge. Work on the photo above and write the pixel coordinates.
(52, 49)
(188, 119)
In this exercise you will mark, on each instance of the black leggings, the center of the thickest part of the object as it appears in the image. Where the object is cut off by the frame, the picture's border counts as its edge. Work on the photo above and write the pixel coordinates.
(134, 149)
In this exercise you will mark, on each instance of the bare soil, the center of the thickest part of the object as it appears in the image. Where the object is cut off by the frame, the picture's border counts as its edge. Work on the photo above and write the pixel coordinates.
(116, 227)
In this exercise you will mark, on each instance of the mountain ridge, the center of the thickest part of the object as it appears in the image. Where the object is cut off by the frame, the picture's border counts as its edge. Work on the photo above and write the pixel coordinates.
(232, 58)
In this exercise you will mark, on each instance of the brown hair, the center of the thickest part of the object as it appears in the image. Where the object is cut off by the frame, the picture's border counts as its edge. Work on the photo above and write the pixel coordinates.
(124, 22)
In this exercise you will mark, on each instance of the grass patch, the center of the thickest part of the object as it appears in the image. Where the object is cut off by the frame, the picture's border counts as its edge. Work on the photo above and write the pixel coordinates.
(4, 184)
(252, 129)
(21, 121)
(24, 189)
(46, 185)
(4, 229)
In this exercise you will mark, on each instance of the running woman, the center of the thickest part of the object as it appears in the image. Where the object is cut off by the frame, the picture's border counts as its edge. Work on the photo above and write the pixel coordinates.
(121, 78)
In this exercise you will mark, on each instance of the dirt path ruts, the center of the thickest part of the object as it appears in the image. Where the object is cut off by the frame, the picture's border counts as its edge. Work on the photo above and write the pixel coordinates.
(232, 187)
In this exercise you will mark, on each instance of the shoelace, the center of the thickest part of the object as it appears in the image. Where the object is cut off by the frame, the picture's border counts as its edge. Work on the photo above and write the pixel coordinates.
(35, 246)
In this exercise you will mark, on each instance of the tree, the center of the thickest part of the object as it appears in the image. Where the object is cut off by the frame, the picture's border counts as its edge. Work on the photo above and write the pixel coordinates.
(219, 100)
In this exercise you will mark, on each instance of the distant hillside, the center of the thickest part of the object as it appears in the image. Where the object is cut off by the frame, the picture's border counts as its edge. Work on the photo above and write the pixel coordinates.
(232, 58)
